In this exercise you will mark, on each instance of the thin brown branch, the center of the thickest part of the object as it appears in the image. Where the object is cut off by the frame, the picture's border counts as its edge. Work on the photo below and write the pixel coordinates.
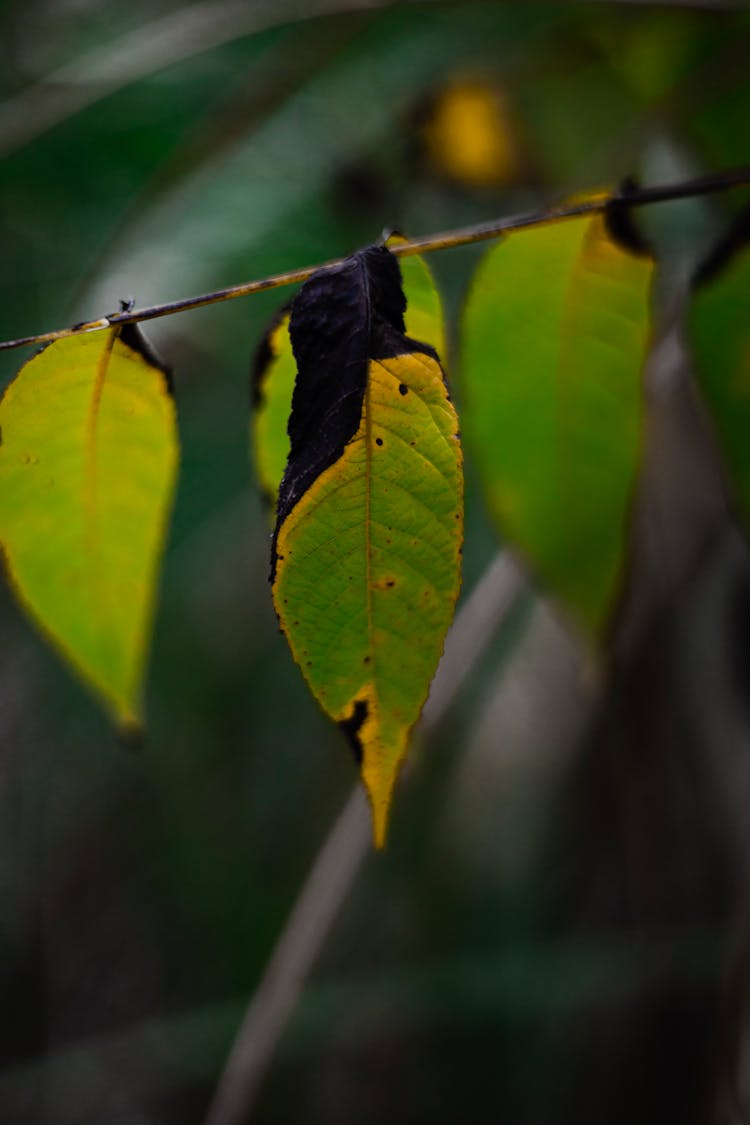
(479, 232)
(340, 858)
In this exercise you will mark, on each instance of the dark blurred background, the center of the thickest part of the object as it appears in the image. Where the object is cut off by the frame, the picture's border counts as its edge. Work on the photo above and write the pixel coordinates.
(559, 931)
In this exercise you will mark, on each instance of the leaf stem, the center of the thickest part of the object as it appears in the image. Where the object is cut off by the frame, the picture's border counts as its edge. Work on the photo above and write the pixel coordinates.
(463, 236)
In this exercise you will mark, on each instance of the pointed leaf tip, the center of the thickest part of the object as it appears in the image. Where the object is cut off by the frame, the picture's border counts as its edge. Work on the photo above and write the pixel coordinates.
(379, 785)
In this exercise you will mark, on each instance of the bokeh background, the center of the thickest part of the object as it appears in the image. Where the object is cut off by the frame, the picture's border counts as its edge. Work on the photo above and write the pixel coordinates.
(558, 931)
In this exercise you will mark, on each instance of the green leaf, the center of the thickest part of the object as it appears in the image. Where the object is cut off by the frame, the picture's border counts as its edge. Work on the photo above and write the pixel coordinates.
(554, 336)
(366, 551)
(87, 470)
(274, 369)
(719, 330)
(424, 316)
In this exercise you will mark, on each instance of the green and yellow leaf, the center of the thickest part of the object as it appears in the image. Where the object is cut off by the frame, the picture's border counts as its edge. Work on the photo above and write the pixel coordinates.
(424, 316)
(366, 550)
(273, 375)
(88, 461)
(274, 369)
(554, 338)
(719, 328)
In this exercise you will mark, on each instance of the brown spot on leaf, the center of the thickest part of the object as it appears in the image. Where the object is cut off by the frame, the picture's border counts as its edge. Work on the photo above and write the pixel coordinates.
(384, 584)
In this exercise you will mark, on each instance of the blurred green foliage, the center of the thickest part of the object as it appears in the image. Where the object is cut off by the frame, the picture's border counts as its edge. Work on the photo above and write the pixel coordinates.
(555, 336)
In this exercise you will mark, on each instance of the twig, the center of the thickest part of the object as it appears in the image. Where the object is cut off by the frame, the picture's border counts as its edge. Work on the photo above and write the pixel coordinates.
(335, 869)
(662, 193)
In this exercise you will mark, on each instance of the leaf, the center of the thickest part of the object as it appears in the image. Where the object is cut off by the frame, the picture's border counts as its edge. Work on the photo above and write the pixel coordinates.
(366, 550)
(274, 369)
(87, 470)
(469, 135)
(273, 375)
(554, 335)
(719, 330)
(424, 316)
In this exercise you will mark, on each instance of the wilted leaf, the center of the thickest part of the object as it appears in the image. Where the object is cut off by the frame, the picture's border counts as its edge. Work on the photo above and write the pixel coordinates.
(719, 325)
(554, 337)
(87, 470)
(365, 564)
(274, 369)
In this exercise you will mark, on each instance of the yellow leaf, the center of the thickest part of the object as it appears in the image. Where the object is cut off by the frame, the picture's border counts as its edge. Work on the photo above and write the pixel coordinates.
(470, 136)
(88, 462)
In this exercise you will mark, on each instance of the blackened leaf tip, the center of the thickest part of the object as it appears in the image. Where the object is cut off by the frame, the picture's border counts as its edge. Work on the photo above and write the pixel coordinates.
(621, 227)
(133, 336)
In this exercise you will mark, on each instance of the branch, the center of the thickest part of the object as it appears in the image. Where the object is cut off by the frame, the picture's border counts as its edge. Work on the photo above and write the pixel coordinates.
(480, 232)
(335, 869)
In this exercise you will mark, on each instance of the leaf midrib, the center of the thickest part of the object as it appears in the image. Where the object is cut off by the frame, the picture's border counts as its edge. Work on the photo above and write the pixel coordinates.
(368, 469)
(93, 544)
